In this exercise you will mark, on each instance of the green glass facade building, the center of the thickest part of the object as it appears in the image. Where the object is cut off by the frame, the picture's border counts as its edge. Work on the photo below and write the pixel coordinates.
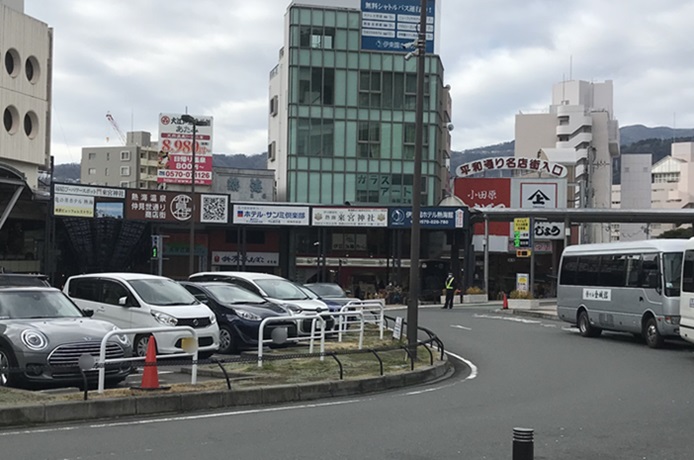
(342, 119)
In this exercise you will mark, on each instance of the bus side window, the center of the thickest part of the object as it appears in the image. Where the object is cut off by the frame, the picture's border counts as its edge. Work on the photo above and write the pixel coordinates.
(633, 269)
(688, 272)
(649, 272)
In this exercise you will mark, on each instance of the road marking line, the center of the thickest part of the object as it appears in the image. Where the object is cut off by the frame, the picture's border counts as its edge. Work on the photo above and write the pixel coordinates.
(184, 418)
(458, 326)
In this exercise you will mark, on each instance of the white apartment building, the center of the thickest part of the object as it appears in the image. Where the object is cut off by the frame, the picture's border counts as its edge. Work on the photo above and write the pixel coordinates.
(671, 186)
(26, 47)
(580, 132)
(133, 165)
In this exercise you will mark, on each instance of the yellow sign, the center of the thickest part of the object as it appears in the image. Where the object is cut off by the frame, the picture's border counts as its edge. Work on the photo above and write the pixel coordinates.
(521, 224)
(523, 252)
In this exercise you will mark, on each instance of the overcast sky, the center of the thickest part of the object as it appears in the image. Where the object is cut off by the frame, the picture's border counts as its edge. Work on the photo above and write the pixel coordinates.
(138, 58)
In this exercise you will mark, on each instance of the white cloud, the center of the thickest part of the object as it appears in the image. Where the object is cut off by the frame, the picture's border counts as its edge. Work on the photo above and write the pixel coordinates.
(137, 59)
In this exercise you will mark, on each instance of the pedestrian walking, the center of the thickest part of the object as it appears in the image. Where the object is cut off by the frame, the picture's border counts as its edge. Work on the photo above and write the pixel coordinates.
(450, 291)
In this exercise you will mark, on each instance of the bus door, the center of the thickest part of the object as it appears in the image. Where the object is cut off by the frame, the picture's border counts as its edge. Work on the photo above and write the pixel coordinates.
(687, 295)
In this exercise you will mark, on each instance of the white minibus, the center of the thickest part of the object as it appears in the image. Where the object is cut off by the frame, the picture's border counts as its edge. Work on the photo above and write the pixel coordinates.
(687, 293)
(629, 287)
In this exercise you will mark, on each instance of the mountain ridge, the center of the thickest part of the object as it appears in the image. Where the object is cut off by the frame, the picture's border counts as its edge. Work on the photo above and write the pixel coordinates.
(633, 139)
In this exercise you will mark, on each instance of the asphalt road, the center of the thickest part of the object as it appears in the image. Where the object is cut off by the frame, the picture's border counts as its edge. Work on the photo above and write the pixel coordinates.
(605, 398)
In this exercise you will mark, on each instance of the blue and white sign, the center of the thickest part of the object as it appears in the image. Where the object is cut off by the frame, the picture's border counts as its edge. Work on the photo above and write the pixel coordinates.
(444, 217)
(271, 215)
(387, 25)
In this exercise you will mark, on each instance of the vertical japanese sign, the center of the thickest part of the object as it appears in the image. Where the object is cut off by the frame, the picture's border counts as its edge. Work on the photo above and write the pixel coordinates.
(176, 150)
(485, 193)
(387, 25)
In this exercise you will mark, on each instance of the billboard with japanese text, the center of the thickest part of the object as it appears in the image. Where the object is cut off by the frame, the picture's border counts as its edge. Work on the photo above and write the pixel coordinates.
(74, 200)
(390, 25)
(485, 193)
(440, 218)
(350, 217)
(176, 150)
(164, 206)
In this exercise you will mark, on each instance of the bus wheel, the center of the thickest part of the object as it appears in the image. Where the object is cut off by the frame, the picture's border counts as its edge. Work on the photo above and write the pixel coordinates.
(653, 337)
(584, 326)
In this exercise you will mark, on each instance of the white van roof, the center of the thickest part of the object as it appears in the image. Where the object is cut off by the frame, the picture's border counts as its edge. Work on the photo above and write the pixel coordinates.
(247, 275)
(122, 276)
(665, 245)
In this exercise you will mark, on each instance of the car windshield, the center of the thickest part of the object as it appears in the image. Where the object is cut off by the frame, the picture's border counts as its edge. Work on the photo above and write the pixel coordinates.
(281, 289)
(672, 268)
(36, 304)
(327, 290)
(232, 294)
(163, 292)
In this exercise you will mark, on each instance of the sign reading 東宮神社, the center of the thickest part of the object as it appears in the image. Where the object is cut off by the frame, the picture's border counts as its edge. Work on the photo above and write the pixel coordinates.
(499, 163)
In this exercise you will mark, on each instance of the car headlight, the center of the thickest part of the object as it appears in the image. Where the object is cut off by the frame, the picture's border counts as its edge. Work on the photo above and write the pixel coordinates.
(34, 340)
(213, 319)
(292, 309)
(122, 338)
(248, 315)
(163, 318)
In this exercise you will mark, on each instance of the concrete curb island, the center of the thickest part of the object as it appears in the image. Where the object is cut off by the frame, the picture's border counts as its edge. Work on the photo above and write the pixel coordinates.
(163, 403)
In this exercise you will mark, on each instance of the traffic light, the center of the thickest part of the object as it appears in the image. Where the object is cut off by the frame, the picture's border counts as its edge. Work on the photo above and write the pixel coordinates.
(156, 246)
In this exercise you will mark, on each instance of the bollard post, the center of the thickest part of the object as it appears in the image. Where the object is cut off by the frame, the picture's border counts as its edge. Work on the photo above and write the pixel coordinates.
(523, 444)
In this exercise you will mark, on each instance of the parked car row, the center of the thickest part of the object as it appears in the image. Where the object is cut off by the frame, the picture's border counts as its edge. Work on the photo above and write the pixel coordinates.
(43, 331)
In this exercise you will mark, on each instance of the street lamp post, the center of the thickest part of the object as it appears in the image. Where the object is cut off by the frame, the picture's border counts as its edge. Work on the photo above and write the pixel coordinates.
(414, 288)
(191, 256)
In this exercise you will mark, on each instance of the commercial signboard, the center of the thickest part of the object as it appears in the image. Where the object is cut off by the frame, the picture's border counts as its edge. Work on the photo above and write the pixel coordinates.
(390, 25)
(430, 217)
(87, 201)
(537, 193)
(256, 259)
(349, 217)
(270, 215)
(522, 163)
(485, 193)
(176, 149)
(165, 206)
(73, 205)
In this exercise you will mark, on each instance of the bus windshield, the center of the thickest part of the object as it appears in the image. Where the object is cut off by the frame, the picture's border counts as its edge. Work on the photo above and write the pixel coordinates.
(672, 267)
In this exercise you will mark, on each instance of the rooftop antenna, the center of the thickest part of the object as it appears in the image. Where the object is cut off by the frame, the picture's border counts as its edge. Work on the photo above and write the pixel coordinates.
(571, 66)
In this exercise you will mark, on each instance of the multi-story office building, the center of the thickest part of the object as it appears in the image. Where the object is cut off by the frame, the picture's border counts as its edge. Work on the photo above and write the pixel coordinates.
(580, 132)
(342, 114)
(671, 186)
(133, 165)
(25, 101)
(635, 172)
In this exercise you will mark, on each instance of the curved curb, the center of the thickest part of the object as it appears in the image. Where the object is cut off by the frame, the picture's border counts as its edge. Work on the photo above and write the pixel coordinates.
(73, 411)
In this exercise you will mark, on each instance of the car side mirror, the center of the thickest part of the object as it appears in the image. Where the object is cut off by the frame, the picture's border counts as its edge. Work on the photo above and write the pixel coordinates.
(88, 313)
(127, 302)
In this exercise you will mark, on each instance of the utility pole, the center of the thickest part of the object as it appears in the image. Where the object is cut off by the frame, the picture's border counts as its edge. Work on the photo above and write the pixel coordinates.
(414, 288)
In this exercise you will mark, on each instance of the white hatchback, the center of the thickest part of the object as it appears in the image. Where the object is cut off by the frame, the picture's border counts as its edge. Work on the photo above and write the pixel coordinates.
(136, 300)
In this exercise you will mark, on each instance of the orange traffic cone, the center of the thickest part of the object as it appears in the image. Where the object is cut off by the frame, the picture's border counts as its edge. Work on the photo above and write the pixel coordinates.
(505, 305)
(150, 375)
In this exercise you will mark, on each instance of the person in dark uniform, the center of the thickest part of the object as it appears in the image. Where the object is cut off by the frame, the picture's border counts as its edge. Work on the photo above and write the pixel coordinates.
(450, 291)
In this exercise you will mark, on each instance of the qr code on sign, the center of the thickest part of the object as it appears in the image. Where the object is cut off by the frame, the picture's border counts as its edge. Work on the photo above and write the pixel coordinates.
(215, 209)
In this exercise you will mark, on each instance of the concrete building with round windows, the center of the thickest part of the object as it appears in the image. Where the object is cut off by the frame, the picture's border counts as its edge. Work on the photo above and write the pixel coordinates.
(25, 101)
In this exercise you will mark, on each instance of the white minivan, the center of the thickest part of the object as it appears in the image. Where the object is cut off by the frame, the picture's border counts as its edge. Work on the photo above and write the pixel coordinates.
(136, 300)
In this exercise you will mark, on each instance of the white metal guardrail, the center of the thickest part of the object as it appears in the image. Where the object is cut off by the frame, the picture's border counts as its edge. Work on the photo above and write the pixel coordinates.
(313, 335)
(360, 306)
(101, 363)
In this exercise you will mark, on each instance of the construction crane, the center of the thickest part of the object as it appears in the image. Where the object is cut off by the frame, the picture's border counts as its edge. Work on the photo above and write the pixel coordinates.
(110, 118)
